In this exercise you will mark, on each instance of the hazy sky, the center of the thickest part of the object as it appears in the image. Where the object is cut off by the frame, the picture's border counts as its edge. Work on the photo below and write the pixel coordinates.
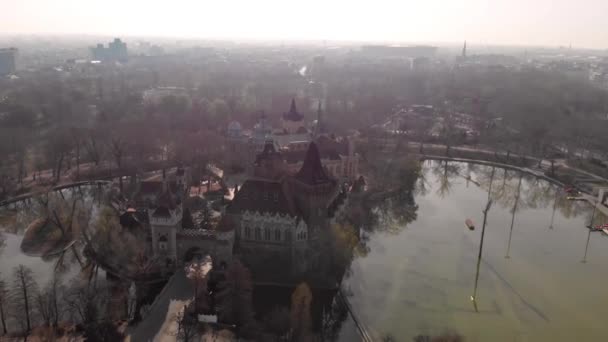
(582, 23)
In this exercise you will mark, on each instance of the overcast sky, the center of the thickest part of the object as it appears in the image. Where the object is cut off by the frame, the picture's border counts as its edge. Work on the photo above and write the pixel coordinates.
(582, 23)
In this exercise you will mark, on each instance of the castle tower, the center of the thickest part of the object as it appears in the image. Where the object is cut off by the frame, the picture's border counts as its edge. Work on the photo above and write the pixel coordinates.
(165, 218)
(314, 189)
(269, 164)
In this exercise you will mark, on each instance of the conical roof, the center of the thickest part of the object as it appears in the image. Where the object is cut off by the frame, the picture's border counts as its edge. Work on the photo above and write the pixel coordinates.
(312, 171)
(293, 114)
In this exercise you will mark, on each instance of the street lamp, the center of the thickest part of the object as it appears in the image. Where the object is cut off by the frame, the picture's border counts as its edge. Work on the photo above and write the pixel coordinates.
(483, 231)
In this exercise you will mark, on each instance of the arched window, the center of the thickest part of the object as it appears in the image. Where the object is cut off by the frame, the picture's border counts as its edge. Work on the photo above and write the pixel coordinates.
(258, 233)
(277, 234)
(267, 234)
(288, 236)
(247, 233)
(162, 243)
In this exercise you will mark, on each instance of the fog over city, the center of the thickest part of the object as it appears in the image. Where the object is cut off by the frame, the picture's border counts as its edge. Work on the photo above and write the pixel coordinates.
(504, 22)
(427, 171)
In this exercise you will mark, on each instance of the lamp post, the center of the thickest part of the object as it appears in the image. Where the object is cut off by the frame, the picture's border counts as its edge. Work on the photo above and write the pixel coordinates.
(483, 231)
(586, 247)
(507, 256)
(590, 225)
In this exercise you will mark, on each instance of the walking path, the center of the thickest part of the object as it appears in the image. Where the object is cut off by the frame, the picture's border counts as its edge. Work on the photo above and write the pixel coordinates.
(25, 196)
(528, 170)
(594, 202)
(178, 289)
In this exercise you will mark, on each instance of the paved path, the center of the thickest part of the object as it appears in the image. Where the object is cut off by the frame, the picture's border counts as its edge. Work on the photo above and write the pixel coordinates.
(179, 288)
(594, 202)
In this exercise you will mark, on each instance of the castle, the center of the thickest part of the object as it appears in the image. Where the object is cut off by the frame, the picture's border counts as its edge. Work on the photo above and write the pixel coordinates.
(278, 217)
(158, 205)
(291, 141)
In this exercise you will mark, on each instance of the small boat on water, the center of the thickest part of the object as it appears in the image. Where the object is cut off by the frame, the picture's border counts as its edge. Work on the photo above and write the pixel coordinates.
(469, 223)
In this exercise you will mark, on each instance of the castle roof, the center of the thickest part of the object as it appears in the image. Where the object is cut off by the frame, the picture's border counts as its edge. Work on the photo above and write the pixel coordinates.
(293, 157)
(268, 152)
(166, 199)
(263, 196)
(161, 212)
(312, 171)
(293, 114)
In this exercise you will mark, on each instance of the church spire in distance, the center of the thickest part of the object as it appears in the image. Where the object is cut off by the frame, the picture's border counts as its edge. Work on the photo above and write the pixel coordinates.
(464, 50)
(293, 109)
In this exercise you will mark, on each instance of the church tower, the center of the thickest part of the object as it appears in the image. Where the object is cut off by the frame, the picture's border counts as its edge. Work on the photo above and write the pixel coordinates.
(293, 121)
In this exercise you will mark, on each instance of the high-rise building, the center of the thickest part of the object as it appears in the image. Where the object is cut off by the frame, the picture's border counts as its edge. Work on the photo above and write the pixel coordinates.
(8, 61)
(116, 51)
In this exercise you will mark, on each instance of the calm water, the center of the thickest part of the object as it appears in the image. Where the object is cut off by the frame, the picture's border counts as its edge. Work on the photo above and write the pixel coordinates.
(14, 224)
(419, 279)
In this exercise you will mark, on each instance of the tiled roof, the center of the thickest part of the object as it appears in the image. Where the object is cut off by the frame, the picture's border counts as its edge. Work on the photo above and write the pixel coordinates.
(161, 212)
(268, 153)
(264, 197)
(293, 157)
(312, 172)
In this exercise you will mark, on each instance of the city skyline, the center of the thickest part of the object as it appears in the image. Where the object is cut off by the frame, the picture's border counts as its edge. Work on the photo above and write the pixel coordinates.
(541, 23)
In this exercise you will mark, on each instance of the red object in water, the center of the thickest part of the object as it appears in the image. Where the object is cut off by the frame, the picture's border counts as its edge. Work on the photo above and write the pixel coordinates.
(469, 223)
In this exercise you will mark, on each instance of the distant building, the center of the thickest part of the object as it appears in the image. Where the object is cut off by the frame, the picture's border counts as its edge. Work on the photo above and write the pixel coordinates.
(155, 95)
(280, 152)
(8, 61)
(292, 121)
(399, 51)
(115, 52)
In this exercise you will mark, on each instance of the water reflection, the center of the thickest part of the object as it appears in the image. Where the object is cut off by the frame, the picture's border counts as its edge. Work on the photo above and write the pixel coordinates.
(513, 211)
(417, 281)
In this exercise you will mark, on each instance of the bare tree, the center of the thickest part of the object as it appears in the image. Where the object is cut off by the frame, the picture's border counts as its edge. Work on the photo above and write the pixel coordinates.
(94, 145)
(3, 303)
(49, 302)
(234, 296)
(86, 304)
(187, 325)
(58, 147)
(24, 292)
(78, 141)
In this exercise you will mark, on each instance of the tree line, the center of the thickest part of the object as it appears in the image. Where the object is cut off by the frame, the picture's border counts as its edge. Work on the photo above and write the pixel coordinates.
(26, 308)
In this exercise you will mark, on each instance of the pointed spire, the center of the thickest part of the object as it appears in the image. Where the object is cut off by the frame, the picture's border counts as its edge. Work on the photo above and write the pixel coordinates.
(293, 114)
(293, 108)
(312, 171)
(464, 50)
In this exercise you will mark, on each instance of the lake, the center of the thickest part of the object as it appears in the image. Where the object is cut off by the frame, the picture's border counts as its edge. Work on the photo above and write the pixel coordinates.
(536, 286)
